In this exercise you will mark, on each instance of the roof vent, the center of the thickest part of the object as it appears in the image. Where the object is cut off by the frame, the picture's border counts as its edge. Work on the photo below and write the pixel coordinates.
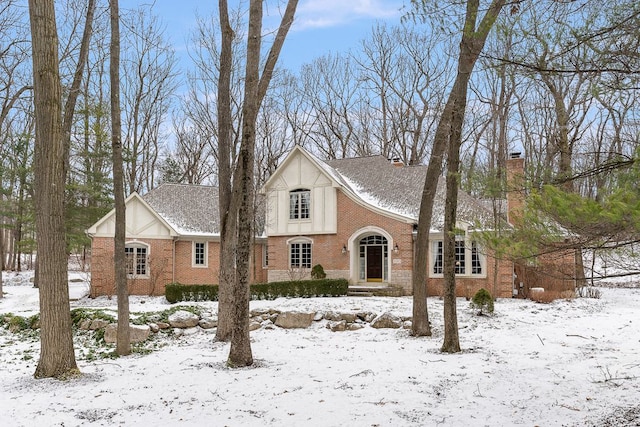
(515, 155)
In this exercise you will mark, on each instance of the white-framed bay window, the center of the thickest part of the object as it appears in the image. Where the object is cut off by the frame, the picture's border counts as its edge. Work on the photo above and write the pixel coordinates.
(469, 258)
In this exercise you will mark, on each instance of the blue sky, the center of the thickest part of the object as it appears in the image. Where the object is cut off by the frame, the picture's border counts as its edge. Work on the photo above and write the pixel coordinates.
(321, 26)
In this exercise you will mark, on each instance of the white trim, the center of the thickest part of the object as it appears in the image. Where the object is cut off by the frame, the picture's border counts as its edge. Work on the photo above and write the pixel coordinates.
(147, 247)
(468, 239)
(193, 254)
(300, 240)
(353, 247)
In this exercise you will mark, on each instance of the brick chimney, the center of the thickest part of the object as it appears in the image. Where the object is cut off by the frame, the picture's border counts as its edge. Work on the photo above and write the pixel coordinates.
(515, 187)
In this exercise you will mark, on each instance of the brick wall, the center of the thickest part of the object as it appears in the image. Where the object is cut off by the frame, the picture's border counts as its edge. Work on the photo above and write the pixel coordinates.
(160, 266)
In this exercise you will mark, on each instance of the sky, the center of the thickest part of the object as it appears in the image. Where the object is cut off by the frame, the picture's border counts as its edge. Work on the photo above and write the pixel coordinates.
(320, 26)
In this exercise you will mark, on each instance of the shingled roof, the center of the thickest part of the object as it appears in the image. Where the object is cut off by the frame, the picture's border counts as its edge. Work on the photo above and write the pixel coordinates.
(398, 189)
(189, 209)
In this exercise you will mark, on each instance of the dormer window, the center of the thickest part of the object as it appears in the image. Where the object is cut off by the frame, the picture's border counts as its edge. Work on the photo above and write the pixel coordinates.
(299, 204)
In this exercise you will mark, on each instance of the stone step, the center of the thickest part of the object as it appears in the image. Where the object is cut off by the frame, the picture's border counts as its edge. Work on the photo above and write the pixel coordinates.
(351, 293)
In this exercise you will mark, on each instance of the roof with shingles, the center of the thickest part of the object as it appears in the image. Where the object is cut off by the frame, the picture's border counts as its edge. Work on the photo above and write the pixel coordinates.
(193, 209)
(189, 209)
(398, 189)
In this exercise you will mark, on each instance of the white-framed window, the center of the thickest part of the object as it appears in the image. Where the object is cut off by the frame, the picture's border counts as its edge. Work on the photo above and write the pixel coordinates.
(265, 255)
(200, 254)
(469, 260)
(300, 254)
(300, 204)
(137, 259)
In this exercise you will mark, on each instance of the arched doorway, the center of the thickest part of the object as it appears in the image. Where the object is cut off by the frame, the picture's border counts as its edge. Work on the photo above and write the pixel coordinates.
(373, 258)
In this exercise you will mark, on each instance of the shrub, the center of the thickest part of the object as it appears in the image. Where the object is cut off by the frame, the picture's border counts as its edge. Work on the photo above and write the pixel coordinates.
(262, 291)
(317, 272)
(482, 301)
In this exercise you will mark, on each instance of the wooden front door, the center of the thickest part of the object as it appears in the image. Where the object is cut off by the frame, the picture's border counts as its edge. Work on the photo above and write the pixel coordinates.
(374, 263)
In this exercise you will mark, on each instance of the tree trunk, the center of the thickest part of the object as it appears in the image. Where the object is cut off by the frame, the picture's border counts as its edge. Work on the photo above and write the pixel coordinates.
(123, 343)
(57, 358)
(243, 195)
(228, 240)
(448, 131)
(240, 352)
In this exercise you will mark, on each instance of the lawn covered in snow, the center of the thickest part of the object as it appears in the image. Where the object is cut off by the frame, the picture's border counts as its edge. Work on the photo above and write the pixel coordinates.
(568, 363)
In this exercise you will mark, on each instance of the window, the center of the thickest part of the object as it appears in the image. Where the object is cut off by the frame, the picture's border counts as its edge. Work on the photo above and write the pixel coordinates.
(300, 256)
(437, 264)
(460, 257)
(476, 264)
(265, 256)
(299, 204)
(200, 254)
(468, 259)
(136, 258)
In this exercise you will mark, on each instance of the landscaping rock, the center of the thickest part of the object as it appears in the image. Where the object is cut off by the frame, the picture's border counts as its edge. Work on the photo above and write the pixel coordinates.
(98, 324)
(254, 325)
(163, 325)
(137, 333)
(85, 324)
(406, 324)
(355, 326)
(366, 316)
(183, 319)
(337, 326)
(294, 319)
(208, 322)
(386, 320)
(319, 316)
(190, 331)
(154, 327)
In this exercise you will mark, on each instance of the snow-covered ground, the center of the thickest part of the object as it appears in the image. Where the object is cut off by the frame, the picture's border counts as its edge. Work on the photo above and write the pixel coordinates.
(568, 363)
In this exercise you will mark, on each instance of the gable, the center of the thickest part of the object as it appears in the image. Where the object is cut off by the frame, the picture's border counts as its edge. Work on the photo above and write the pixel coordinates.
(142, 222)
(301, 171)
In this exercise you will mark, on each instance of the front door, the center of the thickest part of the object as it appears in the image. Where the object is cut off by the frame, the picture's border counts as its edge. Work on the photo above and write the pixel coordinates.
(374, 263)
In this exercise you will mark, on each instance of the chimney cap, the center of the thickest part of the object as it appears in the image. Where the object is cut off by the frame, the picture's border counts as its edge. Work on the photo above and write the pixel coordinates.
(515, 155)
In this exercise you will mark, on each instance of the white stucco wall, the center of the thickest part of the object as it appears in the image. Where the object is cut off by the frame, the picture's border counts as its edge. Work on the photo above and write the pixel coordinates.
(299, 172)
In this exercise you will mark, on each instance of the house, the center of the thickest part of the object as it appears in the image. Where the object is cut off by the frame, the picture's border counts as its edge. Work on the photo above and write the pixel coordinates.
(356, 217)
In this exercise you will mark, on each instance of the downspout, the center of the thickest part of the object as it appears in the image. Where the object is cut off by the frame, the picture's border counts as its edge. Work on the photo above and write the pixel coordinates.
(173, 261)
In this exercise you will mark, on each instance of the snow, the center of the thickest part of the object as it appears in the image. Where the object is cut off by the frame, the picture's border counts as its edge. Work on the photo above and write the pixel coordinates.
(568, 363)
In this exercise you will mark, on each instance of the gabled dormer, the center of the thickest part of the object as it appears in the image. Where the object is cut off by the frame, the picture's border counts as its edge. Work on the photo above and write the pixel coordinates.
(301, 197)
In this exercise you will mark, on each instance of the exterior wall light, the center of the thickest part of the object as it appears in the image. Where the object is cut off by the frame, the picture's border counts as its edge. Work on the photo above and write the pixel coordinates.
(344, 249)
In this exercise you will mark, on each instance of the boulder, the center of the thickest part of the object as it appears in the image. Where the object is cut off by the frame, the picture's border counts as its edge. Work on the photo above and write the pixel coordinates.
(387, 320)
(208, 322)
(154, 327)
(137, 333)
(337, 325)
(98, 324)
(366, 316)
(85, 324)
(253, 325)
(183, 319)
(163, 325)
(355, 326)
(294, 319)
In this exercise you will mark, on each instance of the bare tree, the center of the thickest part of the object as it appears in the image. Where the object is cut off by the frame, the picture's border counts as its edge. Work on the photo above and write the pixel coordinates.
(57, 358)
(123, 342)
(242, 198)
(148, 84)
(448, 134)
